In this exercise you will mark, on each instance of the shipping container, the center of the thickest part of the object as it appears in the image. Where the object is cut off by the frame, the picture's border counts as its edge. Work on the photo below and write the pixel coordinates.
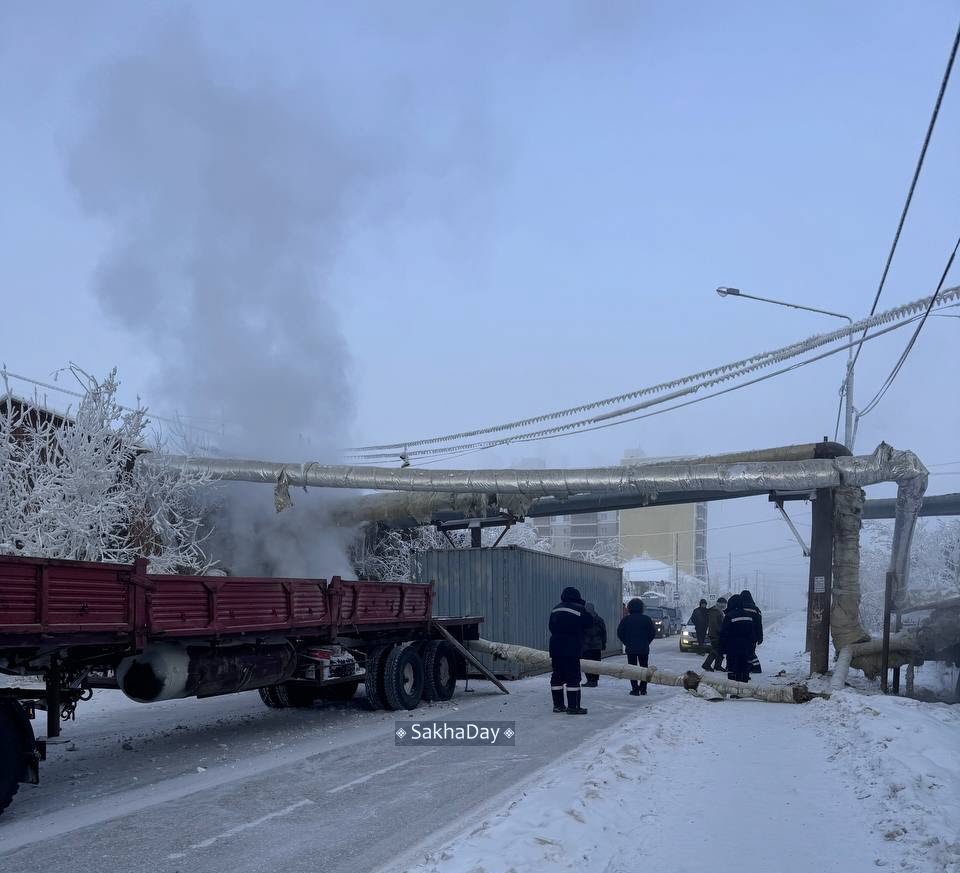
(515, 589)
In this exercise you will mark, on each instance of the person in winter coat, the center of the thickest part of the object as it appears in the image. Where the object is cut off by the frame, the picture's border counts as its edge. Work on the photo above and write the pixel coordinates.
(636, 632)
(737, 640)
(594, 642)
(751, 609)
(700, 619)
(568, 620)
(714, 623)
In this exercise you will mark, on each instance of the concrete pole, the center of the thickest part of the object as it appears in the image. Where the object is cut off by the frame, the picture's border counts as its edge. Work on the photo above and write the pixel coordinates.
(849, 426)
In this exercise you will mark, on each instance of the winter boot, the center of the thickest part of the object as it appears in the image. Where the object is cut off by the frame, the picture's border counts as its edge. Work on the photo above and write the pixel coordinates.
(573, 703)
(558, 700)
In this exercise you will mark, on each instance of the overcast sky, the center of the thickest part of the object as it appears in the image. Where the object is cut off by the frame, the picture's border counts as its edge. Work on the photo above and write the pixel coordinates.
(499, 210)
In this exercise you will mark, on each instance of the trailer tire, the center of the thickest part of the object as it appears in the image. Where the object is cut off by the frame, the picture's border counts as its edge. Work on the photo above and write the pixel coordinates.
(403, 678)
(270, 697)
(373, 679)
(439, 671)
(341, 691)
(297, 696)
(13, 755)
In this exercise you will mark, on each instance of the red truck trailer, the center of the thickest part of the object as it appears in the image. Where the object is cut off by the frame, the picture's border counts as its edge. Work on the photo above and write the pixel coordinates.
(80, 626)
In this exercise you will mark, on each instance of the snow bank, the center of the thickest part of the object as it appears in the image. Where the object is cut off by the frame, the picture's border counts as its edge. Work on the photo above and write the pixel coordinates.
(899, 758)
(855, 783)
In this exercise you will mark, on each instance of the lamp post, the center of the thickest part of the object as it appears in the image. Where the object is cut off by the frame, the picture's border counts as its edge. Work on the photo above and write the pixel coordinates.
(848, 429)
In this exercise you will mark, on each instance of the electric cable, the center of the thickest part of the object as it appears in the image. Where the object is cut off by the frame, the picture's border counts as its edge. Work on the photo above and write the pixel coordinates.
(912, 341)
(714, 375)
(568, 429)
(916, 176)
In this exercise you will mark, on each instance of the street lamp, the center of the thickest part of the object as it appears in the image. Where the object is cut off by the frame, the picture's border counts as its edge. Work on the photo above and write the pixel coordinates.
(848, 432)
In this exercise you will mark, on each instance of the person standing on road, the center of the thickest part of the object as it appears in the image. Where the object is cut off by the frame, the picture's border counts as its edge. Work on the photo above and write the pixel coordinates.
(700, 619)
(568, 621)
(636, 632)
(751, 609)
(737, 640)
(594, 642)
(714, 623)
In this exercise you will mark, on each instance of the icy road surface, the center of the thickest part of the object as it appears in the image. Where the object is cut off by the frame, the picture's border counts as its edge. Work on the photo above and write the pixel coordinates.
(225, 784)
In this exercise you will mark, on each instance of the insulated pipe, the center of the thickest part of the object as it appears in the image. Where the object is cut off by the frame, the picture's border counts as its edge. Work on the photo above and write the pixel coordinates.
(898, 643)
(886, 464)
(689, 680)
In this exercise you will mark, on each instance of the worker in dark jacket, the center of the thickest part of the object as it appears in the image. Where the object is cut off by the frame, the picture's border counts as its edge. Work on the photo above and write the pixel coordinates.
(700, 619)
(568, 620)
(737, 640)
(751, 609)
(636, 632)
(714, 623)
(594, 642)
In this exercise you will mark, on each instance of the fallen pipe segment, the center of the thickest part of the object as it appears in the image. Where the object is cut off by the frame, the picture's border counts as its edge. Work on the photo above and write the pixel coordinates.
(689, 680)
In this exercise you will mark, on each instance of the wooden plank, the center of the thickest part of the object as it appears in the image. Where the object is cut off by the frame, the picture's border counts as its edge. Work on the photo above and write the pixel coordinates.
(450, 638)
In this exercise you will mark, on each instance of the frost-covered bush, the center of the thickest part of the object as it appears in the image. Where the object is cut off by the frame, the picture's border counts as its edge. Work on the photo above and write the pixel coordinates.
(70, 487)
(388, 557)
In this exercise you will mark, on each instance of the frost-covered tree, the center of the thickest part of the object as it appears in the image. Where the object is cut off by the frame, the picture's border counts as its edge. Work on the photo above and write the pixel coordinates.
(389, 556)
(608, 552)
(934, 565)
(70, 487)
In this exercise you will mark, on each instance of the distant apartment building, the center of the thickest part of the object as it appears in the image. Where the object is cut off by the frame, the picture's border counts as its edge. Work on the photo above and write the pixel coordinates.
(666, 533)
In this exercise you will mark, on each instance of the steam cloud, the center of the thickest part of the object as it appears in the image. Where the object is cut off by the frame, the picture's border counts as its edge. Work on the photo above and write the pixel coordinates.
(225, 205)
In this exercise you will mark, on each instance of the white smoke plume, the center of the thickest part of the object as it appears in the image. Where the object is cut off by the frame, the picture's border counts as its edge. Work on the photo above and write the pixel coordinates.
(226, 204)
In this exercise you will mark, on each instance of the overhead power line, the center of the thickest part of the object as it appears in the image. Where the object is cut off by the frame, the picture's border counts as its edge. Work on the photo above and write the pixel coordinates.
(912, 341)
(605, 421)
(686, 384)
(916, 176)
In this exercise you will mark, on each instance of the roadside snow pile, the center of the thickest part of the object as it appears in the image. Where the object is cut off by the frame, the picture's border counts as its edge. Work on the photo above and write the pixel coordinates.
(901, 759)
(854, 783)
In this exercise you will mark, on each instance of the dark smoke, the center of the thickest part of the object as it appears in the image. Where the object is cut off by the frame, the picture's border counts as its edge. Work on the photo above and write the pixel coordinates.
(226, 205)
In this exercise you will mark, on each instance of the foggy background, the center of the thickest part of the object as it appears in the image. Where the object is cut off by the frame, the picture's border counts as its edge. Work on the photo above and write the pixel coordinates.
(319, 226)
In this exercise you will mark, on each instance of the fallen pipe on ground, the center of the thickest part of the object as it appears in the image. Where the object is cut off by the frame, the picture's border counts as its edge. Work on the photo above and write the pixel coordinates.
(689, 680)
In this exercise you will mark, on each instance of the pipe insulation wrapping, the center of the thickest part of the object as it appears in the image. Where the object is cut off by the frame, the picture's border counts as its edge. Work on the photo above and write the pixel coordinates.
(498, 487)
(884, 465)
(689, 680)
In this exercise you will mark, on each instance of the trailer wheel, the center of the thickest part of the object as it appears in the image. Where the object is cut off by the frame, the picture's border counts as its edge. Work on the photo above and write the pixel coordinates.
(13, 755)
(440, 671)
(340, 691)
(403, 678)
(297, 696)
(270, 697)
(373, 679)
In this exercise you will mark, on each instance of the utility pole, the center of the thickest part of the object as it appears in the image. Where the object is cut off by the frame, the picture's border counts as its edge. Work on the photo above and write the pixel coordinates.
(821, 582)
(676, 568)
(729, 572)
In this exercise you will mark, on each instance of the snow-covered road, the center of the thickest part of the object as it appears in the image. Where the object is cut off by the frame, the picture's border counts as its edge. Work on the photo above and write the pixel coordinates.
(666, 781)
(226, 784)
